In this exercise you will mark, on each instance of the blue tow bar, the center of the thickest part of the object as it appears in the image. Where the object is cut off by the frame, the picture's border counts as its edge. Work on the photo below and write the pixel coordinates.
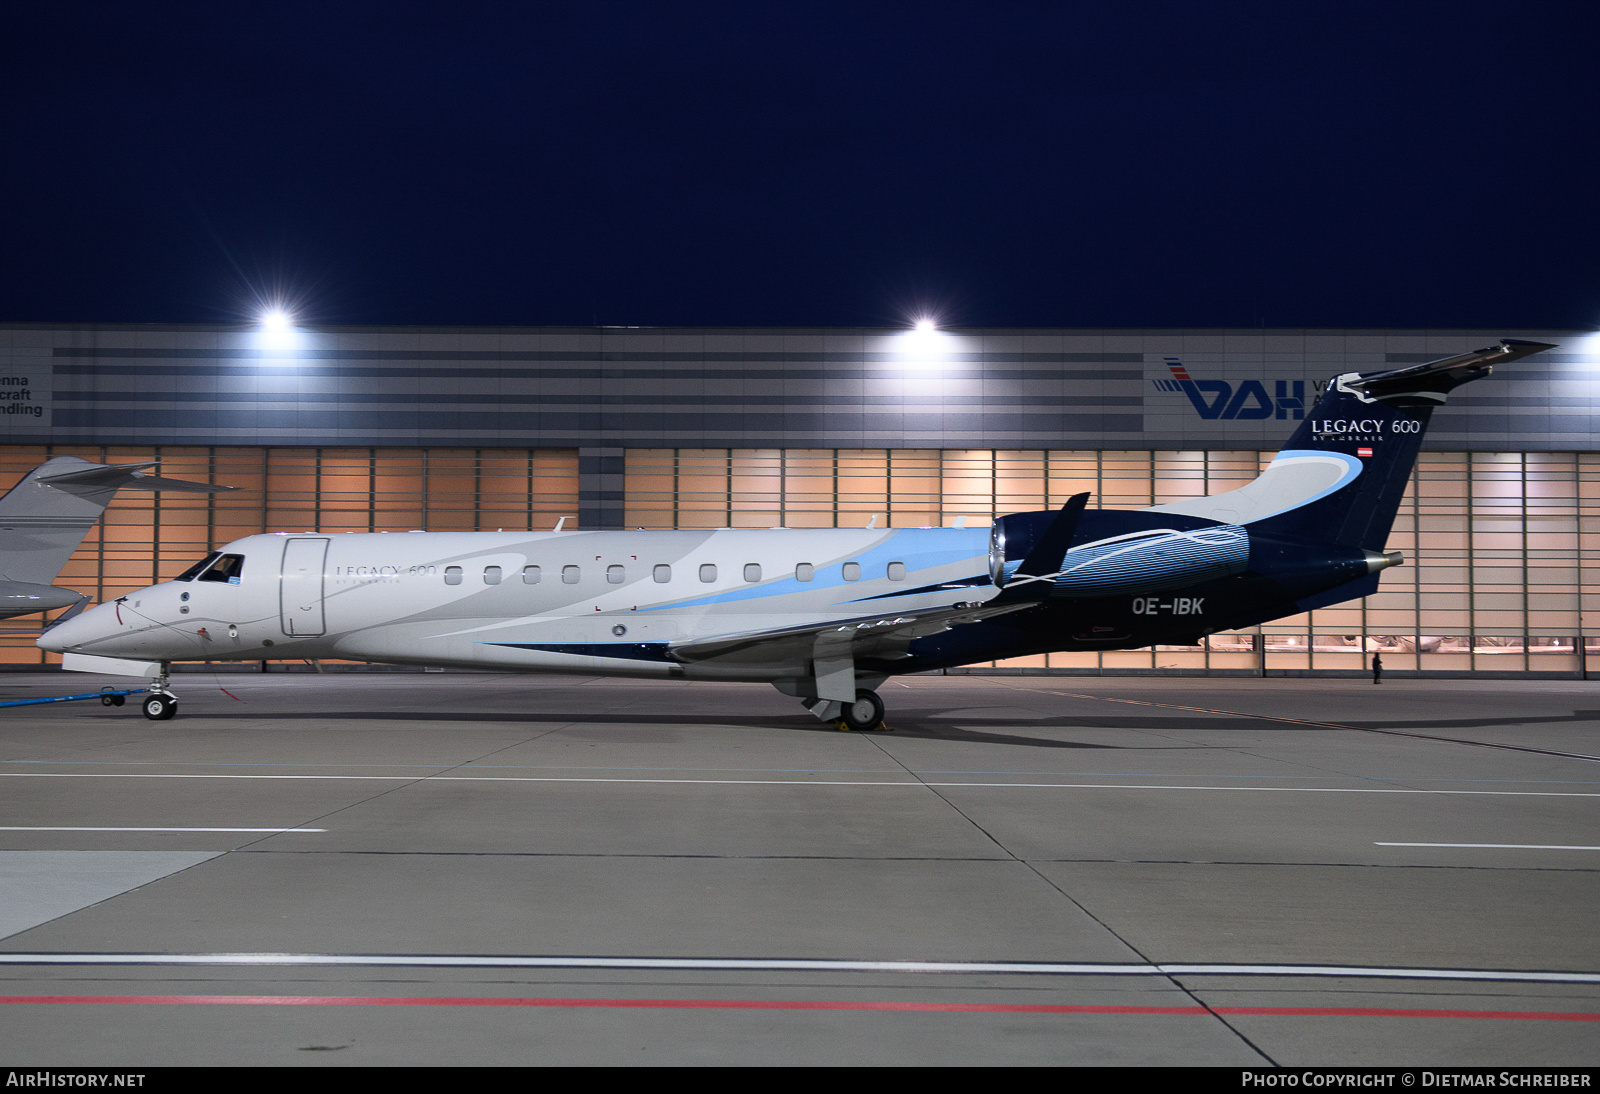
(111, 697)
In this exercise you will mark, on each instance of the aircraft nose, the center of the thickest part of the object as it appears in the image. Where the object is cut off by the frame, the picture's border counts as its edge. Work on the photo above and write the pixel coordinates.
(80, 631)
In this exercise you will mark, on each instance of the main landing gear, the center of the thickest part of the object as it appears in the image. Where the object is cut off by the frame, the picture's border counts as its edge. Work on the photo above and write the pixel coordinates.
(159, 703)
(866, 713)
(863, 714)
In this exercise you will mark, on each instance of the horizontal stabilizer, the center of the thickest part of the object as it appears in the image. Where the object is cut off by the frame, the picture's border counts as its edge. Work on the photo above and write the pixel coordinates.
(1434, 380)
(127, 474)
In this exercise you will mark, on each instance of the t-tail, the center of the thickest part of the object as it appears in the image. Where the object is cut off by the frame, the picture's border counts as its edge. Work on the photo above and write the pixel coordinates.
(1340, 479)
(45, 516)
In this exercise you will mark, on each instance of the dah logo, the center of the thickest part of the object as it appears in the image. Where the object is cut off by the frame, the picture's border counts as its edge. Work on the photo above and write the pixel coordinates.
(1220, 399)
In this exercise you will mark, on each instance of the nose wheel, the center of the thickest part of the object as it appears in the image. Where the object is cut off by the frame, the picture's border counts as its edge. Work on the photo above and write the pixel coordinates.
(159, 708)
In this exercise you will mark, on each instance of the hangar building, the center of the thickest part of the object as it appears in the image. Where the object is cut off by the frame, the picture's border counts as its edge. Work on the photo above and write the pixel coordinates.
(397, 428)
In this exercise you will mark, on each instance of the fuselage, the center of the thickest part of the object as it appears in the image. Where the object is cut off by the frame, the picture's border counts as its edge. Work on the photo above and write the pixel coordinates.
(642, 603)
(502, 599)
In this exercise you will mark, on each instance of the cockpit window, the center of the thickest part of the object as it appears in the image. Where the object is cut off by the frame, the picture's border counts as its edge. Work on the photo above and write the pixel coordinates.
(194, 571)
(227, 568)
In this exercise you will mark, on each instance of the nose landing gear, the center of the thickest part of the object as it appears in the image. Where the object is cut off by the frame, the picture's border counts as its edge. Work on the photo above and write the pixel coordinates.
(159, 703)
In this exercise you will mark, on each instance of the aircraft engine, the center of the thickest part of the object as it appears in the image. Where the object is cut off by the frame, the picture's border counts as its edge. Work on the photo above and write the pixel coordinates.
(1152, 561)
(1143, 560)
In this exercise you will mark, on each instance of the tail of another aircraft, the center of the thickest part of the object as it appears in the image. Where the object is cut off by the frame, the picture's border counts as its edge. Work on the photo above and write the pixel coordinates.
(45, 516)
(1340, 478)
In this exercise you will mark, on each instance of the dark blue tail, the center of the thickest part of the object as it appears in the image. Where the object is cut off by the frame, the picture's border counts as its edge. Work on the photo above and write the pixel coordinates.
(1340, 478)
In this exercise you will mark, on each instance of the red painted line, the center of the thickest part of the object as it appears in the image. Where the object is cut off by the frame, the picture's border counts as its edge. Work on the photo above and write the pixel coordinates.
(774, 1004)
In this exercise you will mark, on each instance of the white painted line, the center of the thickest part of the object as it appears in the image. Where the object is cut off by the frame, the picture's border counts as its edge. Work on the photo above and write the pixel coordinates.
(1507, 846)
(1336, 725)
(13, 828)
(897, 785)
(521, 961)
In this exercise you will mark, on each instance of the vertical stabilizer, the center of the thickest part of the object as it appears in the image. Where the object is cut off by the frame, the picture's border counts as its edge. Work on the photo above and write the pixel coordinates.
(1340, 478)
(45, 516)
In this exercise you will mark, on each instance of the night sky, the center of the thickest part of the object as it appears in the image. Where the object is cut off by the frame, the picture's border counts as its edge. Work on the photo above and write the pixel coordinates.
(1400, 164)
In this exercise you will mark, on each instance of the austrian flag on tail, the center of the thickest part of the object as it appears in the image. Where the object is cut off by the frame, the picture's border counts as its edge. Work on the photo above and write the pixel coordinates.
(1363, 452)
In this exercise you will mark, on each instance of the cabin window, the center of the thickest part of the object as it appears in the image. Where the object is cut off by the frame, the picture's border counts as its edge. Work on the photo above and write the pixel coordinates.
(491, 575)
(805, 572)
(897, 571)
(708, 571)
(227, 569)
(452, 575)
(852, 571)
(662, 573)
(569, 574)
(615, 574)
(752, 571)
(530, 575)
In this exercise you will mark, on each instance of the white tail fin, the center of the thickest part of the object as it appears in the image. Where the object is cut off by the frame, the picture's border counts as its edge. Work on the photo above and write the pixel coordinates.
(45, 516)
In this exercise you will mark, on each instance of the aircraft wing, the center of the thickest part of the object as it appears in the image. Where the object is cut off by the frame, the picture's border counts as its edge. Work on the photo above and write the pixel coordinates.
(885, 636)
(861, 637)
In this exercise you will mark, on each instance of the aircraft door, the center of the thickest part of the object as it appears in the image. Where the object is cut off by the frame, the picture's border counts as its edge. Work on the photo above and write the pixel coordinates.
(300, 587)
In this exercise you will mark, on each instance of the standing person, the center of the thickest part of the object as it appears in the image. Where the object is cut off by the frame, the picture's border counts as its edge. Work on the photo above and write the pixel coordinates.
(1377, 667)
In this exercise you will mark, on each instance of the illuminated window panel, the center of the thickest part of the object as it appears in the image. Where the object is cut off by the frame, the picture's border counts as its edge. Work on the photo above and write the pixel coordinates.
(1068, 473)
(704, 488)
(451, 480)
(1127, 480)
(863, 487)
(1019, 482)
(651, 483)
(915, 493)
(755, 484)
(1179, 475)
(810, 479)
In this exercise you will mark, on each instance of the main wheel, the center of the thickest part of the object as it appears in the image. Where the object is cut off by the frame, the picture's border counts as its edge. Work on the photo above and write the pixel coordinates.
(158, 708)
(865, 713)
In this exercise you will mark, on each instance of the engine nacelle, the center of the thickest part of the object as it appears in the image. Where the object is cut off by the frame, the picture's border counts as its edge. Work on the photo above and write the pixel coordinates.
(1138, 560)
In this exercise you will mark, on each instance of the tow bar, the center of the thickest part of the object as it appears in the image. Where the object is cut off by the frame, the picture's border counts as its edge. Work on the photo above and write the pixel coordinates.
(111, 697)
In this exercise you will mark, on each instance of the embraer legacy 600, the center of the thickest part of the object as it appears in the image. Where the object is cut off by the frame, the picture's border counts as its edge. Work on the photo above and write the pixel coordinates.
(825, 615)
